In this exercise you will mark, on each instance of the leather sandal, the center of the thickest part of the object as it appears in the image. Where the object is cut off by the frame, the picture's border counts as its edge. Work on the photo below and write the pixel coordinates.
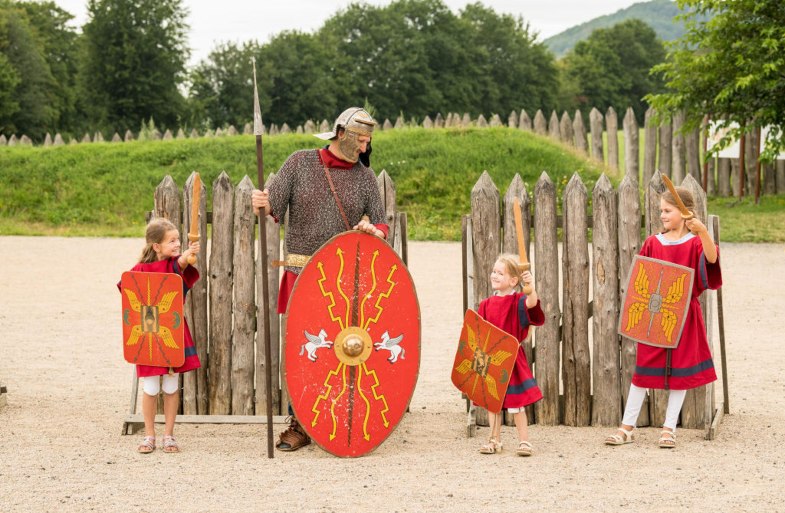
(492, 447)
(623, 436)
(170, 444)
(524, 448)
(147, 446)
(667, 439)
(293, 438)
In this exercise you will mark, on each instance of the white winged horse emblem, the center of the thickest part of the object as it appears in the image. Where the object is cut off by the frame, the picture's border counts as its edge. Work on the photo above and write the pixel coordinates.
(314, 343)
(392, 345)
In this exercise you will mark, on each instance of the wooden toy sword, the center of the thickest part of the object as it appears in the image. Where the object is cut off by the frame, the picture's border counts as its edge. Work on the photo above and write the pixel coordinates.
(685, 213)
(525, 266)
(193, 233)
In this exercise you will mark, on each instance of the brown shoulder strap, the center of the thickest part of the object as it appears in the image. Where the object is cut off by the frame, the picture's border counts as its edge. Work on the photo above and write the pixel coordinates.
(335, 195)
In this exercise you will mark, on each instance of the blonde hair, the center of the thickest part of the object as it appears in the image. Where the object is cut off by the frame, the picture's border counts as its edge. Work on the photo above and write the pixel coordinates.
(154, 234)
(684, 194)
(513, 267)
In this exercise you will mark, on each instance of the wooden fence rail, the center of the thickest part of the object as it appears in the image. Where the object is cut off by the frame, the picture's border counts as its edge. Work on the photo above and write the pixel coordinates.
(582, 365)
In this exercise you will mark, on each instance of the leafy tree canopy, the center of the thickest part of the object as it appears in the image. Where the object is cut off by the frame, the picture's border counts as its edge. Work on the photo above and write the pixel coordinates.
(731, 67)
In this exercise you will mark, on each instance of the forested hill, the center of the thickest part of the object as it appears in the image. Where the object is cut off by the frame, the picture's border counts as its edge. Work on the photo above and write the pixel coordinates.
(659, 14)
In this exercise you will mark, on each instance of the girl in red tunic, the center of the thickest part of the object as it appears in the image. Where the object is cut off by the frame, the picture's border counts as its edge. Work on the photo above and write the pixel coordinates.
(161, 254)
(687, 243)
(513, 311)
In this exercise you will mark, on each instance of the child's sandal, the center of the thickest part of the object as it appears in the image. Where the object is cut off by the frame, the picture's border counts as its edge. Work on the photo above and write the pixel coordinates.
(524, 448)
(492, 447)
(170, 444)
(623, 436)
(667, 439)
(147, 446)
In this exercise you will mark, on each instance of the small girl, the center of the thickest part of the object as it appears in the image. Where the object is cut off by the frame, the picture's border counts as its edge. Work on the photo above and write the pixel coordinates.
(513, 312)
(687, 243)
(161, 254)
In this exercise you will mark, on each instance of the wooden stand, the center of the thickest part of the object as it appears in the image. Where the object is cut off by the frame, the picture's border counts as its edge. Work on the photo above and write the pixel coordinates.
(135, 420)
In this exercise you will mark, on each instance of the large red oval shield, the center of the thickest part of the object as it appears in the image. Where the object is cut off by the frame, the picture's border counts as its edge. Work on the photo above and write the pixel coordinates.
(352, 344)
(153, 325)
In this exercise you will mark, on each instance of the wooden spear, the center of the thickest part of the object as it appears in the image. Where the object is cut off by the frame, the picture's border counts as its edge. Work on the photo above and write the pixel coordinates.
(258, 128)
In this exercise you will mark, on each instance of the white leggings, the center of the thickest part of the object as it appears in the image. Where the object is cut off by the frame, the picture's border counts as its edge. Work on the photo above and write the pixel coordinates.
(635, 401)
(151, 384)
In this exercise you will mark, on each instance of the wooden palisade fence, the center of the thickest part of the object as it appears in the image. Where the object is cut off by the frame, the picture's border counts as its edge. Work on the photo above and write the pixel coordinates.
(582, 365)
(223, 310)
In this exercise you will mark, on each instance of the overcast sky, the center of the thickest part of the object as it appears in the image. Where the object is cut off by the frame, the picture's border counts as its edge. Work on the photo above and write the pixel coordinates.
(238, 21)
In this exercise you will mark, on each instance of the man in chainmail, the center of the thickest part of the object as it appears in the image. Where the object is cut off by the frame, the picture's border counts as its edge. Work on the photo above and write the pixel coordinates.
(325, 192)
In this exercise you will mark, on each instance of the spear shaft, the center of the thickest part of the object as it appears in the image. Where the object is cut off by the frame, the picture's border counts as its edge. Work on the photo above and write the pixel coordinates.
(258, 128)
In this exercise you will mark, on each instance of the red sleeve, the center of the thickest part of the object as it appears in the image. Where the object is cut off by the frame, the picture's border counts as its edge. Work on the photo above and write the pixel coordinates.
(384, 228)
(709, 275)
(536, 315)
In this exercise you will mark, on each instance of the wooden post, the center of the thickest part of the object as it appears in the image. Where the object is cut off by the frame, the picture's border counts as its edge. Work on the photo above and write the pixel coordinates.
(742, 165)
(606, 404)
(612, 128)
(595, 125)
(547, 337)
(525, 122)
(540, 125)
(780, 177)
(710, 178)
(195, 394)
(677, 167)
(629, 222)
(650, 147)
(278, 392)
(769, 178)
(517, 190)
(512, 120)
(486, 238)
(665, 145)
(579, 129)
(576, 367)
(658, 399)
(387, 192)
(221, 256)
(243, 304)
(553, 126)
(565, 129)
(692, 152)
(631, 151)
(723, 176)
(693, 413)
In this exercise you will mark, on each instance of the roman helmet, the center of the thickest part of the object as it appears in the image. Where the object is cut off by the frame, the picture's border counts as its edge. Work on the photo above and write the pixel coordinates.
(356, 122)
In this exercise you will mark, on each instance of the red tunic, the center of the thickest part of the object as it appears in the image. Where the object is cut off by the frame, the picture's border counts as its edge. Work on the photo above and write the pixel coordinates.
(190, 275)
(510, 314)
(691, 362)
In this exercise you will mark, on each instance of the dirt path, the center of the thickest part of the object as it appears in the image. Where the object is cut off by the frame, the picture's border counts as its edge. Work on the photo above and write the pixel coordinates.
(68, 390)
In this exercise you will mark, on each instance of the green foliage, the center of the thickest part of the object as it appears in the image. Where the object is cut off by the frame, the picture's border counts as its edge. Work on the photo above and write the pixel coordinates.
(135, 59)
(660, 15)
(730, 66)
(105, 188)
(744, 221)
(611, 69)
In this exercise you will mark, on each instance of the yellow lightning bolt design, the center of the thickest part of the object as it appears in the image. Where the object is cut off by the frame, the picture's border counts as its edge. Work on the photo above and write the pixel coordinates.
(339, 252)
(373, 288)
(321, 281)
(332, 407)
(324, 396)
(366, 435)
(383, 295)
(377, 396)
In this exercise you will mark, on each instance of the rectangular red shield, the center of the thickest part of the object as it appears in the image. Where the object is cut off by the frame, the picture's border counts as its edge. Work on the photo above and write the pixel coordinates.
(655, 304)
(153, 322)
(484, 362)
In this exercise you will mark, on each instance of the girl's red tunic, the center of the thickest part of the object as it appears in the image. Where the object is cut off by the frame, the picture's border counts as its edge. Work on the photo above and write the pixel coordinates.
(190, 276)
(691, 362)
(510, 314)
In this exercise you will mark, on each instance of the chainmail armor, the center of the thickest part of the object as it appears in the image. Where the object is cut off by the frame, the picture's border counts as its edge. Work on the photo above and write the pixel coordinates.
(301, 187)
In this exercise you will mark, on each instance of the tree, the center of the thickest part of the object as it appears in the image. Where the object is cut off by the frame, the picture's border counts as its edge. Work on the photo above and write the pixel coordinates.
(731, 66)
(221, 89)
(612, 69)
(134, 62)
(29, 106)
